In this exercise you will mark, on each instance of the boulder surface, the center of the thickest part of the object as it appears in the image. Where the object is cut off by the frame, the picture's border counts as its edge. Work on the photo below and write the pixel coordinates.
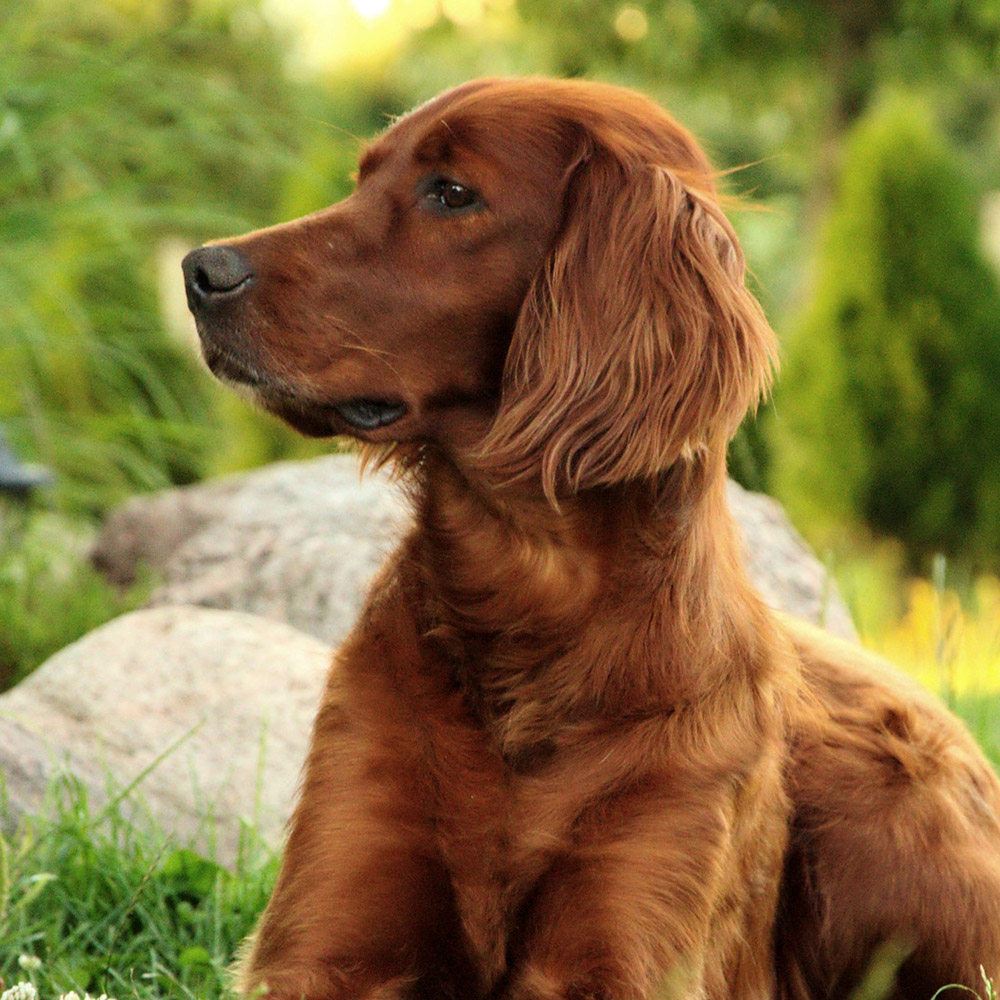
(210, 710)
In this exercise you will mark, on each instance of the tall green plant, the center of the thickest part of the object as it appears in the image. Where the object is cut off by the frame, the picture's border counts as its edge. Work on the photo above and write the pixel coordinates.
(115, 132)
(888, 411)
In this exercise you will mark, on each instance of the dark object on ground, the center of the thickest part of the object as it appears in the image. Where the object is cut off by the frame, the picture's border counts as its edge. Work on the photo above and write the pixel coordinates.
(18, 478)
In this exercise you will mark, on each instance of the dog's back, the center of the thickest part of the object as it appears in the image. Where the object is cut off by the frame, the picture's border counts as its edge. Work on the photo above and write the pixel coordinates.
(894, 853)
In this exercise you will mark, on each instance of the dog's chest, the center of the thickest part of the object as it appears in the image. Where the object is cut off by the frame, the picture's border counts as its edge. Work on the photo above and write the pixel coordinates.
(497, 833)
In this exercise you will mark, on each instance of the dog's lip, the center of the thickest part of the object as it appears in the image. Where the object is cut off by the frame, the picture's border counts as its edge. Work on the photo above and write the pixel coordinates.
(366, 417)
(359, 414)
(370, 413)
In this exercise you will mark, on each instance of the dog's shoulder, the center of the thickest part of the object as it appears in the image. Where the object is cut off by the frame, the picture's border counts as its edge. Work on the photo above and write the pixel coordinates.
(869, 738)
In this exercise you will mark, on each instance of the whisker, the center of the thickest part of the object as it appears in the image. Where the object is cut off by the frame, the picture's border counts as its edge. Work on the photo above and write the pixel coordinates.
(380, 354)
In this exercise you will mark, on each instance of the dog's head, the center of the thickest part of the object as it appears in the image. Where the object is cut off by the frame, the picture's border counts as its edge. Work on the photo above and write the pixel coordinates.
(533, 275)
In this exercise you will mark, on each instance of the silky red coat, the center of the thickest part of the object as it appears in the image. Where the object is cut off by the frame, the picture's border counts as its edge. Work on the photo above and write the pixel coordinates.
(567, 752)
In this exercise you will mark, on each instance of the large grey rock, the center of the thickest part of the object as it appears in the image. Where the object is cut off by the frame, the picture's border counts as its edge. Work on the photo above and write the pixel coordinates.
(299, 541)
(28, 767)
(783, 567)
(217, 705)
(296, 542)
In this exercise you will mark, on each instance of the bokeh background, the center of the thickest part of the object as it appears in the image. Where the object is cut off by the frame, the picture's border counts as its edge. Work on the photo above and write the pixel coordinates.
(862, 139)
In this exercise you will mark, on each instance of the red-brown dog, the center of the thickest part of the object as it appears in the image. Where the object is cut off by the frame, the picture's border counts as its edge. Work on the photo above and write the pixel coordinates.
(567, 752)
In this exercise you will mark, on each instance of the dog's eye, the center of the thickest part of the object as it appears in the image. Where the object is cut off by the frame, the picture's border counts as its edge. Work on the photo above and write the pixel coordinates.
(450, 196)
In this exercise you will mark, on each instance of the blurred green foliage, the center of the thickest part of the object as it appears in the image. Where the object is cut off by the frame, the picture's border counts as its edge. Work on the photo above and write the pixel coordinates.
(126, 124)
(49, 594)
(889, 409)
(116, 133)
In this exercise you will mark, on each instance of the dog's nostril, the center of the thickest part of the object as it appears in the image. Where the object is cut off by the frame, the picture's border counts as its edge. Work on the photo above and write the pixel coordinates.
(214, 272)
(203, 282)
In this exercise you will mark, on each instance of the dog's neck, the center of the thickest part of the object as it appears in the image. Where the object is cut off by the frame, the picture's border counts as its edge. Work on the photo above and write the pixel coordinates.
(512, 589)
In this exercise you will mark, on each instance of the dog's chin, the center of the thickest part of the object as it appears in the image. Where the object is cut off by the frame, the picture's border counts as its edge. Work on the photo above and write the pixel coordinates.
(311, 422)
(362, 416)
(235, 371)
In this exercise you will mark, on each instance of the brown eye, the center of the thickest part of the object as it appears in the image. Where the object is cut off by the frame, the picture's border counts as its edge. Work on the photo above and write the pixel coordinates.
(456, 196)
(450, 196)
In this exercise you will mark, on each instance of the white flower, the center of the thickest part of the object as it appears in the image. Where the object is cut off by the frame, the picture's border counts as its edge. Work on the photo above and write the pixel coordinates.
(20, 991)
(29, 962)
(26, 991)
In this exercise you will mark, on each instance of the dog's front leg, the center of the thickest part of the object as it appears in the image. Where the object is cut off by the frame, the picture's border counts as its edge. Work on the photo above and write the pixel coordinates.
(667, 896)
(362, 908)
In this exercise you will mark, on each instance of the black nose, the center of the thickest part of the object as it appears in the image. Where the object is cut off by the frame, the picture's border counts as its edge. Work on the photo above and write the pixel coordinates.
(213, 274)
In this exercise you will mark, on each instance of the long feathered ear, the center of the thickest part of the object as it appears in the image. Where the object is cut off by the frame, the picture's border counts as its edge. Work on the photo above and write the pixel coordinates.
(637, 344)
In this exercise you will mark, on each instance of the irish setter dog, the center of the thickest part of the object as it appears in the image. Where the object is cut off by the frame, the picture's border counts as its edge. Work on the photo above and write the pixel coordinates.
(567, 753)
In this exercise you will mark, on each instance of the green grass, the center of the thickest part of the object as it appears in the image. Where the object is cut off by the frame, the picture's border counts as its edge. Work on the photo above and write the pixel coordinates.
(50, 595)
(982, 715)
(91, 903)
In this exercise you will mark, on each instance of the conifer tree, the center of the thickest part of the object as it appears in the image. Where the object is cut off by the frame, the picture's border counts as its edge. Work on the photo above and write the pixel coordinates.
(888, 410)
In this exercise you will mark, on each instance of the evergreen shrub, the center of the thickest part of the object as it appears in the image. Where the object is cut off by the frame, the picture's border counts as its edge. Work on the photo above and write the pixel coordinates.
(888, 409)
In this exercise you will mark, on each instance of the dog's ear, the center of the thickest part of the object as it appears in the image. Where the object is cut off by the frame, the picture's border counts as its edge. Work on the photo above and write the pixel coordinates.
(638, 343)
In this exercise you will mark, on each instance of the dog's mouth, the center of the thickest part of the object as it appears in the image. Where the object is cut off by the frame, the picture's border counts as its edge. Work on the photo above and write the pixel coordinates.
(361, 413)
